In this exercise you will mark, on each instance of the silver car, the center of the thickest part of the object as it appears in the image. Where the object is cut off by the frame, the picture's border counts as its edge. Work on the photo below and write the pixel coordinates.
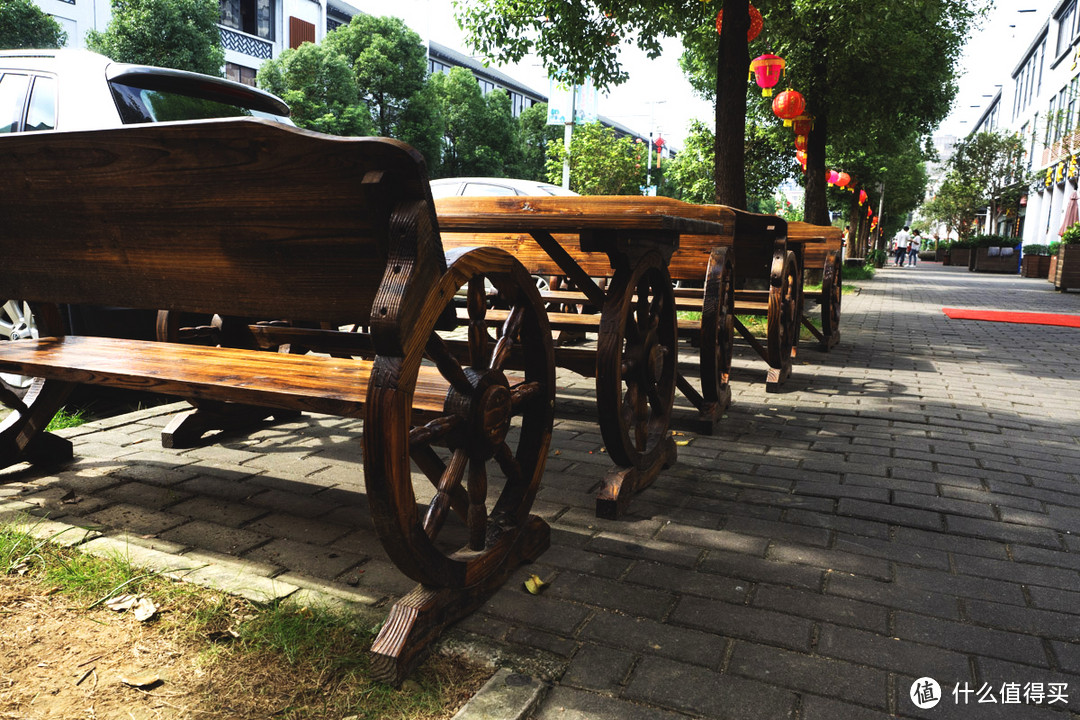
(46, 90)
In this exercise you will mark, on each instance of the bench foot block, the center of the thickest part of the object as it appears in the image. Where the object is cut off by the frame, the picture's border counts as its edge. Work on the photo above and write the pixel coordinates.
(187, 429)
(622, 483)
(417, 620)
(776, 378)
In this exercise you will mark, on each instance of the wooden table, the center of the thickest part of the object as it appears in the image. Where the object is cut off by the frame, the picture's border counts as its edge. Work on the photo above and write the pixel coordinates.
(634, 363)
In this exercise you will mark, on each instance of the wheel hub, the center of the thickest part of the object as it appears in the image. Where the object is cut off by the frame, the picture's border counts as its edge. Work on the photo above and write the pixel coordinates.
(488, 411)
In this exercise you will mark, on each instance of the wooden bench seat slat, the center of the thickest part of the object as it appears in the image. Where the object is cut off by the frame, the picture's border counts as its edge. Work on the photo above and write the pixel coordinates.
(296, 382)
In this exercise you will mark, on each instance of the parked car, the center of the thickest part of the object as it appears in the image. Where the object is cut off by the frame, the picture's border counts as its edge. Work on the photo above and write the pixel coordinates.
(47, 90)
(486, 186)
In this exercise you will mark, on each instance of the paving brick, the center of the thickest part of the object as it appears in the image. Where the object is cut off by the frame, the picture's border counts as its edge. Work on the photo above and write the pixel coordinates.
(564, 703)
(218, 511)
(290, 527)
(892, 595)
(891, 653)
(891, 514)
(657, 550)
(703, 692)
(688, 582)
(145, 495)
(641, 635)
(210, 536)
(966, 586)
(755, 569)
(538, 612)
(815, 707)
(1021, 572)
(809, 673)
(600, 668)
(748, 623)
(970, 639)
(831, 560)
(134, 519)
(817, 606)
(613, 595)
(305, 559)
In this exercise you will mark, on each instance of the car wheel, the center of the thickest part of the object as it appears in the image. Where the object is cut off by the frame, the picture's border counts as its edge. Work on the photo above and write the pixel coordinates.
(17, 322)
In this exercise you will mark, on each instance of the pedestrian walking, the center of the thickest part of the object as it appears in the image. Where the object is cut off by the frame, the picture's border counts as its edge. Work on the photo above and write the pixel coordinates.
(913, 247)
(901, 247)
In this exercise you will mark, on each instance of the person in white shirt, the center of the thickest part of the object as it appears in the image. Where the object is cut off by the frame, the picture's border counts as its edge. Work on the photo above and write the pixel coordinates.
(902, 239)
(913, 248)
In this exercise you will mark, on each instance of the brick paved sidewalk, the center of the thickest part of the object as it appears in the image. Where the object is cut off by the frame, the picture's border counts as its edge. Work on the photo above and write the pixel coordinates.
(907, 508)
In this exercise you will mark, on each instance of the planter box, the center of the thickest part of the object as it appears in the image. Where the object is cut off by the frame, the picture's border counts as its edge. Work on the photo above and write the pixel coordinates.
(959, 256)
(1052, 274)
(1035, 266)
(941, 255)
(995, 260)
(1067, 275)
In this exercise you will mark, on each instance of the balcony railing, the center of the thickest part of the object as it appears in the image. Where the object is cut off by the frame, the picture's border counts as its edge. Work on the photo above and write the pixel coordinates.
(246, 44)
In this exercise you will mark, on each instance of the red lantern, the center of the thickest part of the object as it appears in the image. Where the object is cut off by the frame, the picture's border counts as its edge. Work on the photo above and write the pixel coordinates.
(755, 23)
(863, 197)
(788, 105)
(802, 125)
(800, 143)
(767, 68)
(842, 179)
(832, 177)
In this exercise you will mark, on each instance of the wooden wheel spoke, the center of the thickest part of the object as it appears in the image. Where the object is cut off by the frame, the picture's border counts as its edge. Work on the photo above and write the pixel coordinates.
(477, 504)
(641, 418)
(451, 478)
(448, 365)
(507, 338)
(524, 392)
(478, 334)
(435, 430)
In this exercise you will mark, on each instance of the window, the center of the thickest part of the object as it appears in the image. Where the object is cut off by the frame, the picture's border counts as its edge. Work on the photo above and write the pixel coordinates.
(300, 31)
(254, 17)
(1065, 23)
(41, 112)
(12, 101)
(240, 74)
(1051, 124)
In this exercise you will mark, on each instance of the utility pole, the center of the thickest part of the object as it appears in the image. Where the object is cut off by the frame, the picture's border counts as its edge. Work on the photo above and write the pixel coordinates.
(568, 135)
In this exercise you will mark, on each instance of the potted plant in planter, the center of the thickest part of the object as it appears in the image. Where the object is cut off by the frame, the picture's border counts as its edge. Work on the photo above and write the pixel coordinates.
(994, 254)
(960, 252)
(1035, 262)
(1054, 248)
(941, 253)
(1067, 275)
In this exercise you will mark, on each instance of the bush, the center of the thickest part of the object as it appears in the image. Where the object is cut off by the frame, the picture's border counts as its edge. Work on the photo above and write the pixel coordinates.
(1036, 250)
(1054, 247)
(984, 241)
(1072, 235)
(928, 255)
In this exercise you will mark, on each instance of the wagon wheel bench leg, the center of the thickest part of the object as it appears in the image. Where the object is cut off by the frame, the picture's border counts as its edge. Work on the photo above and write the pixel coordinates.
(635, 380)
(832, 290)
(187, 429)
(484, 455)
(715, 344)
(22, 433)
(783, 319)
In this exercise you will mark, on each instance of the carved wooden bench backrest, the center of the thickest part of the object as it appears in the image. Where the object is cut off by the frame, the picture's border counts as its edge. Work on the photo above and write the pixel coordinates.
(240, 216)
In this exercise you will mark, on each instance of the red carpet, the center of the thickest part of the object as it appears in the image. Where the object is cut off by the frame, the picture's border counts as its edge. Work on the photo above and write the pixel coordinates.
(1026, 318)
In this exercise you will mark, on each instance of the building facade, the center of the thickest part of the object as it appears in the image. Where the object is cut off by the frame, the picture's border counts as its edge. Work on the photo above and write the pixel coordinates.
(1039, 101)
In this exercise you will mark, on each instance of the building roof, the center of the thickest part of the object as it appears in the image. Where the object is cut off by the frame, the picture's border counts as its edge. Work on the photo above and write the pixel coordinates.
(451, 56)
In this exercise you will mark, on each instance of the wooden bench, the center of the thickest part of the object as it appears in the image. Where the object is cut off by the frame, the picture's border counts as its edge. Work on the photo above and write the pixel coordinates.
(250, 218)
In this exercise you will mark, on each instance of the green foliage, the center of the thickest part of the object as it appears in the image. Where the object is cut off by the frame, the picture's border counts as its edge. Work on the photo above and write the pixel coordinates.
(181, 34)
(1071, 235)
(690, 173)
(66, 419)
(866, 272)
(1054, 246)
(985, 241)
(876, 258)
(421, 125)
(24, 25)
(534, 135)
(1037, 249)
(478, 135)
(319, 87)
(600, 163)
(389, 61)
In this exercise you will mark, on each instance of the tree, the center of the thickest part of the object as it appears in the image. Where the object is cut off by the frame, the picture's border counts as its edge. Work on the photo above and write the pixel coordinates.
(319, 87)
(600, 163)
(390, 64)
(991, 161)
(534, 134)
(479, 135)
(583, 38)
(181, 34)
(24, 25)
(422, 125)
(690, 173)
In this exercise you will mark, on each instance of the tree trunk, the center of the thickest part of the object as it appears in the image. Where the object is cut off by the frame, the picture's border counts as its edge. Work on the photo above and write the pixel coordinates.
(732, 65)
(816, 208)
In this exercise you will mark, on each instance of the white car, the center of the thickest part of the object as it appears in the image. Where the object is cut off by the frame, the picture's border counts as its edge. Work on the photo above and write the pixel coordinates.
(45, 90)
(487, 186)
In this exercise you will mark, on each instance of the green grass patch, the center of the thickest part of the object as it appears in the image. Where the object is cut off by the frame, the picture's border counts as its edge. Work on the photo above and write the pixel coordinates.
(278, 660)
(65, 419)
(864, 272)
